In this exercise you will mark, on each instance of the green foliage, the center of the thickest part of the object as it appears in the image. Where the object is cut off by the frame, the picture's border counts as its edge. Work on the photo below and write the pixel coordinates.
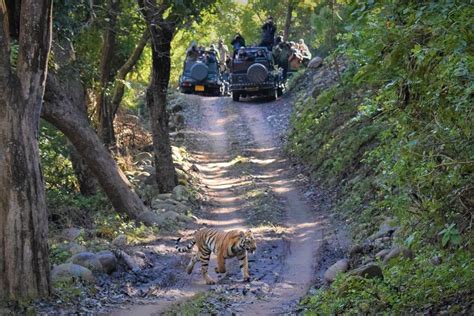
(403, 116)
(395, 139)
(57, 168)
(110, 224)
(408, 286)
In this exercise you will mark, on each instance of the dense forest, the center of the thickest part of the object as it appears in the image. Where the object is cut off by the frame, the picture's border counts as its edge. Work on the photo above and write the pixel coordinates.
(362, 171)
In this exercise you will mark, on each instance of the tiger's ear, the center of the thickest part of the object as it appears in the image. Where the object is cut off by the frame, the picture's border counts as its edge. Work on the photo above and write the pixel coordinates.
(241, 234)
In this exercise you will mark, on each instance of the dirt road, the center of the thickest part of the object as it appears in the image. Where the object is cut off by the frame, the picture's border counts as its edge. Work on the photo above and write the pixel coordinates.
(250, 184)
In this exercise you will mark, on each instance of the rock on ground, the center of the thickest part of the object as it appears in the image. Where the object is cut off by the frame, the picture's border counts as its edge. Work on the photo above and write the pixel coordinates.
(120, 241)
(398, 252)
(368, 271)
(108, 261)
(180, 193)
(68, 272)
(88, 260)
(71, 233)
(339, 267)
(315, 62)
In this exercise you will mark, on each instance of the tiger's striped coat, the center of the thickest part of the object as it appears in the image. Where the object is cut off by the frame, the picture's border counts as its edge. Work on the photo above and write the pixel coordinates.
(224, 245)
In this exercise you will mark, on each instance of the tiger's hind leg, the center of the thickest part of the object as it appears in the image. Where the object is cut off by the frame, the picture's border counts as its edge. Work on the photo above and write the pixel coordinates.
(204, 257)
(191, 264)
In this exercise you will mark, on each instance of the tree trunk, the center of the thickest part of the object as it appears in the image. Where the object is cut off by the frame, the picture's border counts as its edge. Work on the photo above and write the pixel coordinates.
(122, 73)
(85, 176)
(166, 177)
(24, 263)
(105, 112)
(289, 12)
(161, 32)
(59, 111)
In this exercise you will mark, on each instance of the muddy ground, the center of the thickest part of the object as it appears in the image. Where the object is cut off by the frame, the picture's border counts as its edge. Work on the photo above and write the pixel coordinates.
(247, 182)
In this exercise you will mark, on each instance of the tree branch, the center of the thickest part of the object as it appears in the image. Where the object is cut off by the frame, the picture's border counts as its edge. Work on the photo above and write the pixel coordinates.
(119, 88)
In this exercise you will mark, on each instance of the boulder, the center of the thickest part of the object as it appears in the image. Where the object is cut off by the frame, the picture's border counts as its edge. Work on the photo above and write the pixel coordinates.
(398, 252)
(387, 228)
(164, 196)
(181, 207)
(315, 62)
(73, 248)
(87, 260)
(120, 241)
(355, 249)
(108, 261)
(149, 218)
(382, 253)
(180, 193)
(368, 271)
(339, 267)
(158, 204)
(69, 272)
(71, 233)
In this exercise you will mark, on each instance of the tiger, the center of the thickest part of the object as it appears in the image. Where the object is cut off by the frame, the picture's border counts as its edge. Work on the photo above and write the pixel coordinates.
(224, 245)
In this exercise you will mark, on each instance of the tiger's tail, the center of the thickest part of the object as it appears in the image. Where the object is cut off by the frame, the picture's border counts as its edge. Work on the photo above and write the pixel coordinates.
(186, 248)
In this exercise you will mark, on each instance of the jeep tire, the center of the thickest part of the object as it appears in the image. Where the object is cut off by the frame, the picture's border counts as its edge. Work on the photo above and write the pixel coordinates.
(199, 71)
(257, 73)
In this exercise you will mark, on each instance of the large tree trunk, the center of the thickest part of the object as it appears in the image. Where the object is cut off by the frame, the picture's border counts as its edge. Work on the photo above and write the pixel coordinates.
(59, 111)
(161, 33)
(105, 111)
(289, 12)
(24, 263)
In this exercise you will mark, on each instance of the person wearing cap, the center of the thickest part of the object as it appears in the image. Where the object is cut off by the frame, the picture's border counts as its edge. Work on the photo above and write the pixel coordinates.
(268, 33)
(237, 42)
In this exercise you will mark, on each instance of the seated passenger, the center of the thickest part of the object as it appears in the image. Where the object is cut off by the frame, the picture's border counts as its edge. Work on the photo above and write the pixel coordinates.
(260, 53)
(211, 57)
(241, 54)
(192, 52)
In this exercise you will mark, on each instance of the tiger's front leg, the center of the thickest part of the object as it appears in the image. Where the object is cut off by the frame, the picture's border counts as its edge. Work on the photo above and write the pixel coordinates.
(244, 266)
(220, 268)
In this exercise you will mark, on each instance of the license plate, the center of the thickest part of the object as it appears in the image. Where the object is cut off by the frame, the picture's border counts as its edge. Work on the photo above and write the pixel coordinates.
(199, 88)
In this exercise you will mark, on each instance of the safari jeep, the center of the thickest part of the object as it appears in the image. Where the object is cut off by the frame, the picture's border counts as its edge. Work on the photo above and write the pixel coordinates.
(253, 73)
(202, 76)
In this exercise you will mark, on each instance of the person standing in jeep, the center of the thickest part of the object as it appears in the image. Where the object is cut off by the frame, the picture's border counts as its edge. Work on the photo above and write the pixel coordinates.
(223, 54)
(268, 33)
(237, 43)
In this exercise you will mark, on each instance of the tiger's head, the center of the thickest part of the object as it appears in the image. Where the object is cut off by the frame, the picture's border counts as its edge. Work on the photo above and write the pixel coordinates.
(247, 241)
